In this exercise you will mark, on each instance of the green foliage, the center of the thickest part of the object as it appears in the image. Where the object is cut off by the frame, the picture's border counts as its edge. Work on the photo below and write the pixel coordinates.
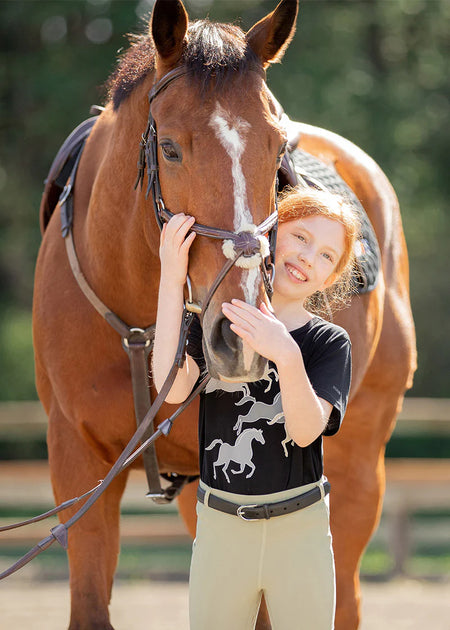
(372, 71)
(420, 444)
(17, 355)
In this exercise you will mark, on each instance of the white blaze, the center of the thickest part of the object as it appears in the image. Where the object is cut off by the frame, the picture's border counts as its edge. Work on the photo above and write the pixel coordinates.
(231, 133)
(249, 283)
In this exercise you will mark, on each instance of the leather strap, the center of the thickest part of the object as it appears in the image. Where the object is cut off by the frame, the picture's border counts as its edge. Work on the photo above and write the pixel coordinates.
(254, 512)
(138, 346)
(221, 233)
(137, 342)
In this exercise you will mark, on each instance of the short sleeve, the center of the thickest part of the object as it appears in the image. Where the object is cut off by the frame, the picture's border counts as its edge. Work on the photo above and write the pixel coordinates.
(329, 371)
(194, 344)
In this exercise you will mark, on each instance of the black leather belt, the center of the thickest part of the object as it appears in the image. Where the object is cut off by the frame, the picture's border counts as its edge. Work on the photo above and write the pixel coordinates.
(265, 510)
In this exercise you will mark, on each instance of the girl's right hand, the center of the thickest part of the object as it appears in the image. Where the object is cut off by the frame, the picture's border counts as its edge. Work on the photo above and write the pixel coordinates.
(174, 248)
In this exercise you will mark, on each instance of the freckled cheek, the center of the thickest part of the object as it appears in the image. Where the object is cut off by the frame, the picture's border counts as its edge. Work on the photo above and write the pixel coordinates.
(280, 253)
(279, 262)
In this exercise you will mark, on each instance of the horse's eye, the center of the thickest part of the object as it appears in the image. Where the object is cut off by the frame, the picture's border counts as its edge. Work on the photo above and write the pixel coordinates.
(171, 152)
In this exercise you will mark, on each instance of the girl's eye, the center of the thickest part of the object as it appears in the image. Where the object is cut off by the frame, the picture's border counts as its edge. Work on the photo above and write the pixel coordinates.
(170, 151)
(300, 237)
(328, 257)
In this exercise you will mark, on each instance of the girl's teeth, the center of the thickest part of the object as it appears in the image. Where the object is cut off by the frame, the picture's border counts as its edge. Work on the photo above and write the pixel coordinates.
(297, 274)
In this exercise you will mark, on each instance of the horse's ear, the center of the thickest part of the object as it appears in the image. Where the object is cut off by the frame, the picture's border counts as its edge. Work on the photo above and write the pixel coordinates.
(270, 37)
(168, 28)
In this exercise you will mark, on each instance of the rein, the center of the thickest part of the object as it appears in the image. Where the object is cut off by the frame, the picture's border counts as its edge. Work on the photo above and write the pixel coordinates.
(128, 455)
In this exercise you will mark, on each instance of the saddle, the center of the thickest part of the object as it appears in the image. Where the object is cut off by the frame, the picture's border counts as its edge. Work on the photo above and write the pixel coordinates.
(298, 168)
(63, 164)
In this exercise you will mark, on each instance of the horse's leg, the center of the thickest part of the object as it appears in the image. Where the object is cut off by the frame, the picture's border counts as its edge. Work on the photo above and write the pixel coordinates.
(94, 540)
(355, 467)
(238, 426)
(186, 506)
(224, 470)
(354, 458)
(252, 466)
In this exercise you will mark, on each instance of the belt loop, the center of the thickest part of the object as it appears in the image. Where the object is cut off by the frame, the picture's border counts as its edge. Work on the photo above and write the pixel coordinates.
(321, 488)
(206, 497)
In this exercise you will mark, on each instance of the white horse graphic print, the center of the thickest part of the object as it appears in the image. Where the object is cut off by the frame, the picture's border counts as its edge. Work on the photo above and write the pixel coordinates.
(241, 453)
(280, 420)
(272, 412)
(267, 377)
(215, 385)
(260, 411)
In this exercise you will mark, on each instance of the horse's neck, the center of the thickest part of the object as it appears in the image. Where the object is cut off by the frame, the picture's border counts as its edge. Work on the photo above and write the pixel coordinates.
(118, 241)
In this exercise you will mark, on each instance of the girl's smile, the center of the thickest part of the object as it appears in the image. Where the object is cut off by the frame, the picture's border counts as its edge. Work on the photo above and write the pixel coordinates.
(296, 272)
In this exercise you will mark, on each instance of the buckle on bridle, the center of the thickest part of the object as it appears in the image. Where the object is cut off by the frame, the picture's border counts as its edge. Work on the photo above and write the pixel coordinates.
(240, 510)
(189, 304)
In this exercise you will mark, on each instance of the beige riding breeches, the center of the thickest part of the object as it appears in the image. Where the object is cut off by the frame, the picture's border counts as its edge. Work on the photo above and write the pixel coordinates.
(287, 558)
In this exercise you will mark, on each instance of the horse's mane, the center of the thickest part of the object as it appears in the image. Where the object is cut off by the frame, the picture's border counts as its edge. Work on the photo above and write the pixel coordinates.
(213, 52)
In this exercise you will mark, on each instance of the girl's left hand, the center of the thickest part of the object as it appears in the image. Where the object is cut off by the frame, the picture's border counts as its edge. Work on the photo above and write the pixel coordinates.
(260, 329)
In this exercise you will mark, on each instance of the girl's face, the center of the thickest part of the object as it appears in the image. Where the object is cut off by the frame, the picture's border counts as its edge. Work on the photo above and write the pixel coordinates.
(308, 252)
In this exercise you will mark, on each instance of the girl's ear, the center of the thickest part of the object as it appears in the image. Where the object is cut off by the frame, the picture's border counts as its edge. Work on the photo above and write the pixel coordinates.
(168, 27)
(270, 37)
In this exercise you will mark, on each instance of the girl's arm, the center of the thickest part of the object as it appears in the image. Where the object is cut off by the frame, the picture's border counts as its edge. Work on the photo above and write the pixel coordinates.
(270, 338)
(300, 401)
(174, 255)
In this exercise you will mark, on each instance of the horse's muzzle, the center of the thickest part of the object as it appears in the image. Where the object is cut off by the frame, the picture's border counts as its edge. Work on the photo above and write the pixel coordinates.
(228, 357)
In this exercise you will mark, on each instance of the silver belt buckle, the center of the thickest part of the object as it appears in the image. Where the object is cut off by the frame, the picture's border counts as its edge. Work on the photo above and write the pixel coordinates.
(241, 515)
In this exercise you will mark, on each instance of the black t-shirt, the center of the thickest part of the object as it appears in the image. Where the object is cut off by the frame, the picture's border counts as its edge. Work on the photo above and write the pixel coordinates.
(244, 446)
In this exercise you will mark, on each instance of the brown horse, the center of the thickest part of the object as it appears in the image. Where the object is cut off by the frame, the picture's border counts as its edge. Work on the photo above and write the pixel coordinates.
(220, 143)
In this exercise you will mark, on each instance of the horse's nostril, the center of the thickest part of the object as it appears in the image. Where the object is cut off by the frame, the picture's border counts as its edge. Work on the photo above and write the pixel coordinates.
(230, 338)
(223, 339)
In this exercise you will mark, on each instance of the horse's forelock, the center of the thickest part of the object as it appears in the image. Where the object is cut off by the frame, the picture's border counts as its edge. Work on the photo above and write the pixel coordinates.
(213, 53)
(216, 52)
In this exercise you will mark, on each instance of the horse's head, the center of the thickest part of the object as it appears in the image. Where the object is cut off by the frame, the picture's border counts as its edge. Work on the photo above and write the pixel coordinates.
(258, 435)
(219, 146)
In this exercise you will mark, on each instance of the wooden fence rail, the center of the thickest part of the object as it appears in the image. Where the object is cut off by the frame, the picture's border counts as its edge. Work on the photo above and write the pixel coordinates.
(411, 484)
(431, 414)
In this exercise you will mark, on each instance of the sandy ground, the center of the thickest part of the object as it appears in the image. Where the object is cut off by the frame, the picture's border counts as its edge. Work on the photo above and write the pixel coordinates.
(30, 605)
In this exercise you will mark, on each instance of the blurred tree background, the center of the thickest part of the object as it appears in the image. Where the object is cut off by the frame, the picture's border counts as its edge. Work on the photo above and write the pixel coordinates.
(374, 71)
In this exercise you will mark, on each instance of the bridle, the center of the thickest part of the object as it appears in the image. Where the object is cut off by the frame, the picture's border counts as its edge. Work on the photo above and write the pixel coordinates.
(250, 244)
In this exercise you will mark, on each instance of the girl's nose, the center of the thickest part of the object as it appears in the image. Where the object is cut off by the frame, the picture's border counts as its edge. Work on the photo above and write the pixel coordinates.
(305, 256)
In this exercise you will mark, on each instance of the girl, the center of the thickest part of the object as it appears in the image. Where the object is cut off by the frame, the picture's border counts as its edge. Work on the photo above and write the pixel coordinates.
(263, 510)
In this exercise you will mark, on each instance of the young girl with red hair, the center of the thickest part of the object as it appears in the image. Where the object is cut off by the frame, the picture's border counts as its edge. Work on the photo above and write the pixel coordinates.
(263, 509)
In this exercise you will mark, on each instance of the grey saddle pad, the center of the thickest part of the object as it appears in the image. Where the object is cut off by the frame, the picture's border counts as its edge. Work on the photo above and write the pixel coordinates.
(311, 171)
